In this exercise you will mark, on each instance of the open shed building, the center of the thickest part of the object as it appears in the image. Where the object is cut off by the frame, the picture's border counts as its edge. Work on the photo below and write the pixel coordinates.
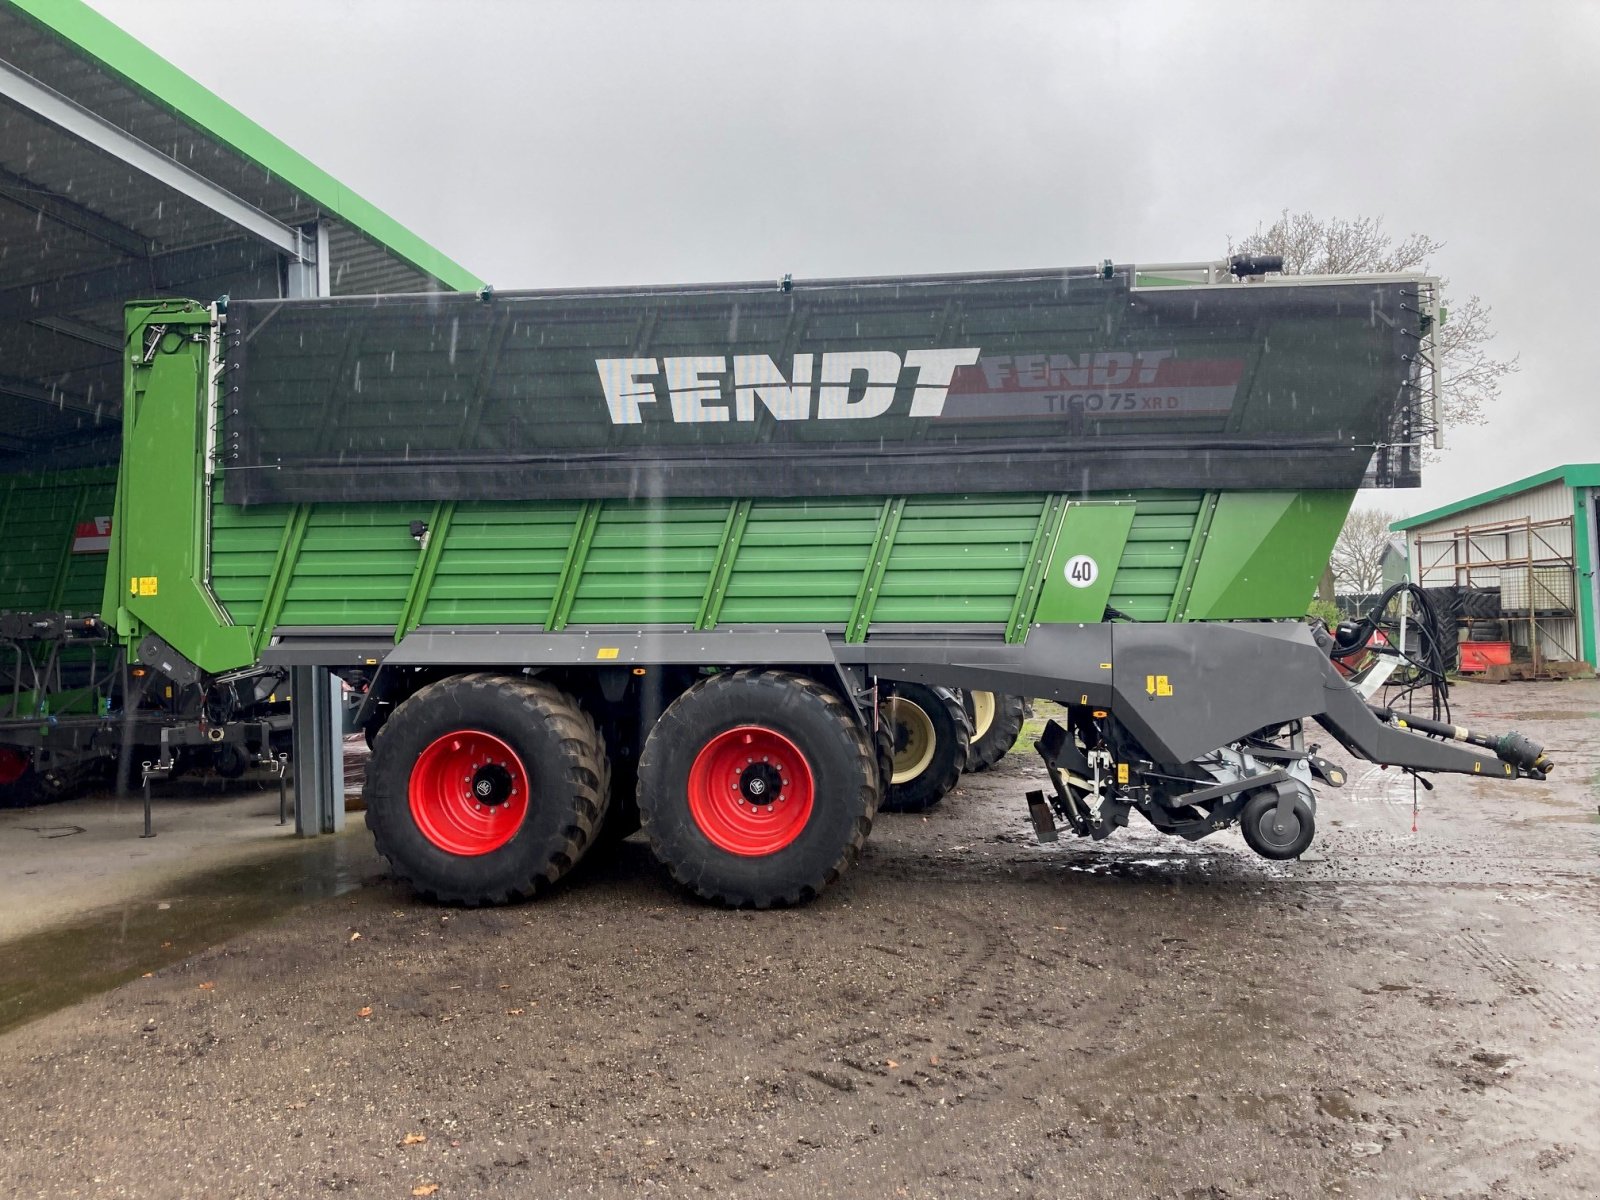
(1528, 550)
(122, 178)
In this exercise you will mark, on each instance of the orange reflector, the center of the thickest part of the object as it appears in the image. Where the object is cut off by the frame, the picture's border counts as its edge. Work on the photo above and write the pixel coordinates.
(138, 672)
(638, 670)
(1100, 713)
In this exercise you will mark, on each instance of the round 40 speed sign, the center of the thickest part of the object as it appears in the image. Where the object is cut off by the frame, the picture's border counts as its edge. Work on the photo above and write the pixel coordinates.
(1081, 571)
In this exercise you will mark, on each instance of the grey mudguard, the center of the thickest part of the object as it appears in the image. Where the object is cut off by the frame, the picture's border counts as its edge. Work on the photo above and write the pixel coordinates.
(1181, 690)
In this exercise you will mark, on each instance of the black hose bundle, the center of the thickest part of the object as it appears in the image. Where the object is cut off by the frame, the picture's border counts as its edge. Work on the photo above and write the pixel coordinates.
(1428, 667)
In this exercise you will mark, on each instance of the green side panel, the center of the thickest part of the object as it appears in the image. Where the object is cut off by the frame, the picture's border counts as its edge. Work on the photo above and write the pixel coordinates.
(1093, 534)
(727, 551)
(294, 536)
(1264, 553)
(1153, 556)
(958, 559)
(649, 563)
(38, 517)
(159, 521)
(1051, 514)
(244, 549)
(427, 566)
(500, 565)
(354, 567)
(877, 564)
(801, 561)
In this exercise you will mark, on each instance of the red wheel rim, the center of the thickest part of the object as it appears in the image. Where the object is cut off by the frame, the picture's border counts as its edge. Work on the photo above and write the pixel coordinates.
(13, 765)
(751, 791)
(469, 792)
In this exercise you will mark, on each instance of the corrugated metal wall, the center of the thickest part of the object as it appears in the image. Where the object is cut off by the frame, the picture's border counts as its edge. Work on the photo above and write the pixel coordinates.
(1437, 547)
(1441, 550)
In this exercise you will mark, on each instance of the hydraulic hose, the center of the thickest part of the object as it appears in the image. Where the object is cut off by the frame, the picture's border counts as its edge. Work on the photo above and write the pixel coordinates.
(1520, 751)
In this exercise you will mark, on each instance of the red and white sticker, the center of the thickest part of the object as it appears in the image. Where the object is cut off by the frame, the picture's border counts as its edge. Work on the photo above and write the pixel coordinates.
(1121, 383)
(92, 537)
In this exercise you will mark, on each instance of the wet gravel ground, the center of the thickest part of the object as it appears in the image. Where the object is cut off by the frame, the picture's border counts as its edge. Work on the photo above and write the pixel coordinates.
(967, 1015)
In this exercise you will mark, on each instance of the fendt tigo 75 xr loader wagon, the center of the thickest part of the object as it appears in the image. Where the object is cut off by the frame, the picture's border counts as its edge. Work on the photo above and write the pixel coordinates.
(676, 545)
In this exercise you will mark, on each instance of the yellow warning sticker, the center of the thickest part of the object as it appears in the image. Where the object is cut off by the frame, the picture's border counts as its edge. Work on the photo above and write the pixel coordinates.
(142, 585)
(1122, 772)
(1157, 685)
(607, 652)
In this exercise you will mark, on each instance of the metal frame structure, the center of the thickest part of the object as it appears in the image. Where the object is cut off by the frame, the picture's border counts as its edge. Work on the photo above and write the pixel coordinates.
(1471, 555)
(95, 131)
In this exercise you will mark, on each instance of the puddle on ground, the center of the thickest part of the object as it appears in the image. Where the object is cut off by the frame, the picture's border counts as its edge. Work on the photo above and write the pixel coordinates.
(53, 968)
(1337, 1105)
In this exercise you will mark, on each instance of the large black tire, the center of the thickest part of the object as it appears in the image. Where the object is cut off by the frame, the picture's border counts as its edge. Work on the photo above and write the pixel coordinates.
(622, 766)
(931, 740)
(553, 743)
(883, 744)
(793, 729)
(996, 721)
(622, 814)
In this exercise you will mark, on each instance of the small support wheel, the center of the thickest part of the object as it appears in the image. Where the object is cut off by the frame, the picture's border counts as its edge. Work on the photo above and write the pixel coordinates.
(1278, 826)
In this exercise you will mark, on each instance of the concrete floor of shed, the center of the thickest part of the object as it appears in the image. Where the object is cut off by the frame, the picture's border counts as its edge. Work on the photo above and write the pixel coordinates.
(87, 903)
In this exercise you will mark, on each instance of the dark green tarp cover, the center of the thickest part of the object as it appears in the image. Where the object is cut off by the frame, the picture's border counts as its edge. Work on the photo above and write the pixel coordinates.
(1046, 380)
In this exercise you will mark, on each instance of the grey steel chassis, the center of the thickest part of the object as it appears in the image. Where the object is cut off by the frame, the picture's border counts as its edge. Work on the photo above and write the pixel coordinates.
(1196, 726)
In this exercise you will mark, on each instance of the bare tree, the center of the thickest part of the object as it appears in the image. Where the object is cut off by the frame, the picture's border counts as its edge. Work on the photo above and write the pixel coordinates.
(1358, 554)
(1310, 245)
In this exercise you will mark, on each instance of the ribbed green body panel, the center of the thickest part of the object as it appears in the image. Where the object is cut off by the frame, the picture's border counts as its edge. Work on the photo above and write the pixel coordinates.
(502, 565)
(800, 561)
(948, 560)
(244, 546)
(957, 559)
(647, 564)
(1152, 562)
(39, 515)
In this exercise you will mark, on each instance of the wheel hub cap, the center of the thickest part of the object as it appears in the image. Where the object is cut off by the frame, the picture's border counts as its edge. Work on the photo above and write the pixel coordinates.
(750, 791)
(492, 785)
(914, 739)
(468, 792)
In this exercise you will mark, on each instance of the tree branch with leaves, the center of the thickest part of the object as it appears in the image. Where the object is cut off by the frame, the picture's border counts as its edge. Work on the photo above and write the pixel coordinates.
(1357, 561)
(1310, 245)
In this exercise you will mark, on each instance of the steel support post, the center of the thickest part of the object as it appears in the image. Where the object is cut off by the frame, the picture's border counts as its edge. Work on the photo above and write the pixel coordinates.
(318, 730)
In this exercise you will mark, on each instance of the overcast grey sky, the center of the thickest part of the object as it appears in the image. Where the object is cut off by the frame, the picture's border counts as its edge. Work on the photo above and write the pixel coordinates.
(545, 144)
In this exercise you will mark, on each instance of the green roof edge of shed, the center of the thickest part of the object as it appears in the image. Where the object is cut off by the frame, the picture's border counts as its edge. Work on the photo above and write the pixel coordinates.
(143, 69)
(1572, 474)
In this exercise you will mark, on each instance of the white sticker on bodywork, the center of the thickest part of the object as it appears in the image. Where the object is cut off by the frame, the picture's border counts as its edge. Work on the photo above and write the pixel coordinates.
(1082, 571)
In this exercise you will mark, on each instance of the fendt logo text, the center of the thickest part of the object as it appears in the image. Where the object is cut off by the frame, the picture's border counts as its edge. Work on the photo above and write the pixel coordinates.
(845, 385)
